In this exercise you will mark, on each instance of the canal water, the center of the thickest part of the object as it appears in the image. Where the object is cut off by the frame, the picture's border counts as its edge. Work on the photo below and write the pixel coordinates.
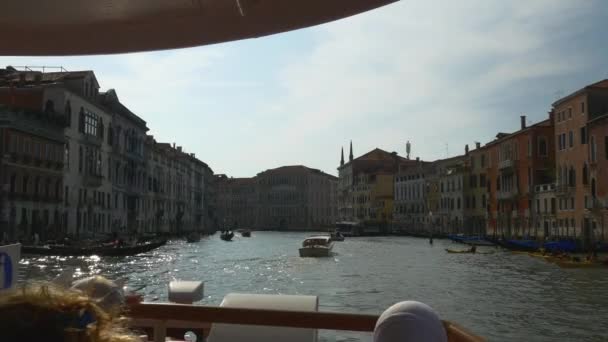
(502, 296)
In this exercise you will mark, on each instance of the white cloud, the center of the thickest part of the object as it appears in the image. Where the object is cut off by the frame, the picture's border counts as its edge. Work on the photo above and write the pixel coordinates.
(421, 70)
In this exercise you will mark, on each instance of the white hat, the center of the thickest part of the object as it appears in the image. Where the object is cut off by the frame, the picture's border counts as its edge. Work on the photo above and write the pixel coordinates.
(409, 321)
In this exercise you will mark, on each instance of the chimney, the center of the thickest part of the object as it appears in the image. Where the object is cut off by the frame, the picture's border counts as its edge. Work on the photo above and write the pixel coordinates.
(477, 145)
(417, 159)
(523, 121)
(179, 148)
(173, 145)
(466, 149)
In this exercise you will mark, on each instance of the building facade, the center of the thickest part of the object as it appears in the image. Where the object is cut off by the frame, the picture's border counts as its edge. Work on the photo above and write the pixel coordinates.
(114, 178)
(31, 177)
(295, 197)
(451, 174)
(237, 202)
(597, 205)
(476, 191)
(520, 161)
(572, 114)
(410, 208)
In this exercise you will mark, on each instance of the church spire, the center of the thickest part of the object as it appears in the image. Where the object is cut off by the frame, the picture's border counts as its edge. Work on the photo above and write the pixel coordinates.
(350, 156)
(342, 157)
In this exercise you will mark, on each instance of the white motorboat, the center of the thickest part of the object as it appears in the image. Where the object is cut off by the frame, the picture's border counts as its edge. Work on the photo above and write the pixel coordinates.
(316, 246)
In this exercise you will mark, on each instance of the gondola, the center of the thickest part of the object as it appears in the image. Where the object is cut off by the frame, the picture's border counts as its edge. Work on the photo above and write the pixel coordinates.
(61, 250)
(193, 237)
(227, 236)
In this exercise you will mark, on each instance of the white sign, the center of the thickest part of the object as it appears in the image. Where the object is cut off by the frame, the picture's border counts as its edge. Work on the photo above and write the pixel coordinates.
(9, 264)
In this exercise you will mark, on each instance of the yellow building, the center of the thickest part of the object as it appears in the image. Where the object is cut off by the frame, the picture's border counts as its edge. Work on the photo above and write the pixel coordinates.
(367, 186)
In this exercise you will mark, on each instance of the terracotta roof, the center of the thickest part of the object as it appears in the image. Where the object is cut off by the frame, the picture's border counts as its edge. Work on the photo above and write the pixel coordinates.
(504, 136)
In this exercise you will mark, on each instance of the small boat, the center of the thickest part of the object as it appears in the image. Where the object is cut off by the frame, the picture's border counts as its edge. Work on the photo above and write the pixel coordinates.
(316, 246)
(104, 250)
(246, 233)
(337, 236)
(193, 237)
(227, 235)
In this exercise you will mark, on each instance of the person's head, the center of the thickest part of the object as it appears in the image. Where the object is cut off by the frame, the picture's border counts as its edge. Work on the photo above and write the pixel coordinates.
(105, 293)
(52, 314)
(409, 321)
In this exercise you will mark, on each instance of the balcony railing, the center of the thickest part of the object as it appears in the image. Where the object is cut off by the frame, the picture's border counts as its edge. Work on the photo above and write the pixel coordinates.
(545, 187)
(564, 189)
(507, 194)
(507, 165)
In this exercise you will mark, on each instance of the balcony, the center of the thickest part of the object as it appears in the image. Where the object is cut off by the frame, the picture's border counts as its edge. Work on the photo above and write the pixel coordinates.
(92, 180)
(507, 165)
(92, 139)
(507, 194)
(564, 190)
(545, 187)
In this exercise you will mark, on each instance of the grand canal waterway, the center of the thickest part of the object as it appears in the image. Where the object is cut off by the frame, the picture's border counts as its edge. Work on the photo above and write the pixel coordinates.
(502, 296)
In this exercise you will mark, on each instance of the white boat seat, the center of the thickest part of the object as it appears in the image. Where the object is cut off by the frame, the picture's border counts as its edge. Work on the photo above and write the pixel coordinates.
(250, 333)
(185, 292)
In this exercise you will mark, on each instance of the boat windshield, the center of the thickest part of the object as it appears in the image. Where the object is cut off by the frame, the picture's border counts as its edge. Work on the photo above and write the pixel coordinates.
(314, 242)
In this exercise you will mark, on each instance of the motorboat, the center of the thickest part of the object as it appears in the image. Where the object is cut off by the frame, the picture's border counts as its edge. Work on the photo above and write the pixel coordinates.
(316, 246)
(246, 233)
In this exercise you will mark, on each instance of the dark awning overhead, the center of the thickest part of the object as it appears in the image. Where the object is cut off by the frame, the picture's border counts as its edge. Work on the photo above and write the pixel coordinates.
(75, 27)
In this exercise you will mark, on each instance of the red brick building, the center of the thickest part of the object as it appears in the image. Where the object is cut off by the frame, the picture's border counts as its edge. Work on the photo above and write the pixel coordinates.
(572, 114)
(517, 163)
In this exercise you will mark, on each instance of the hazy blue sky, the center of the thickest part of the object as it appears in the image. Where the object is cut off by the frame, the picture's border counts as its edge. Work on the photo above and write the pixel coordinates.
(432, 72)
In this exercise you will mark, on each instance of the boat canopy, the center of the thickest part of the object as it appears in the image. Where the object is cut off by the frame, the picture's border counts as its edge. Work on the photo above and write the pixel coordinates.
(76, 27)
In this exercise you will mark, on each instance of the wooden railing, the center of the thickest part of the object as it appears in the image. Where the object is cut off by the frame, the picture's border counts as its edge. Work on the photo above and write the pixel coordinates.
(160, 317)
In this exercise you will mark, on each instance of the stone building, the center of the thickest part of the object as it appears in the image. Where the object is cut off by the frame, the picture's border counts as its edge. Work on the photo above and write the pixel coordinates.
(31, 178)
(572, 114)
(295, 197)
(597, 203)
(476, 191)
(237, 202)
(451, 173)
(410, 208)
(115, 179)
(126, 163)
(366, 190)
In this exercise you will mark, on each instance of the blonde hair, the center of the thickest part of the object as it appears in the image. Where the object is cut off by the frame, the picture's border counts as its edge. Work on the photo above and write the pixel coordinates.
(44, 312)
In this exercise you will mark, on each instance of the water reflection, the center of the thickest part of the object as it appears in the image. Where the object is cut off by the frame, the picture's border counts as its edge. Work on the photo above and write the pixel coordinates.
(502, 296)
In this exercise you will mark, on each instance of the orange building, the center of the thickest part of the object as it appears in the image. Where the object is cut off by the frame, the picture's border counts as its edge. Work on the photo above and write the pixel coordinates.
(572, 114)
(517, 163)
